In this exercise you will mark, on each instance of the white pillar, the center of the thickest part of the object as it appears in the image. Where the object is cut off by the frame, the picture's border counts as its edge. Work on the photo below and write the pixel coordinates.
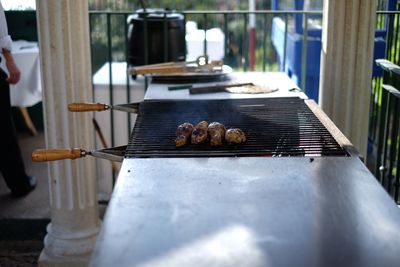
(63, 27)
(346, 66)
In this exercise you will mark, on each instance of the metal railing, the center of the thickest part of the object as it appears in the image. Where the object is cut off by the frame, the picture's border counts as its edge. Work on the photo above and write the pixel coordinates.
(388, 130)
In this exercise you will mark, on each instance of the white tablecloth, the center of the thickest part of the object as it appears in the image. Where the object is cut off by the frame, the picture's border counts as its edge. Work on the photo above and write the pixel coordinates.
(28, 91)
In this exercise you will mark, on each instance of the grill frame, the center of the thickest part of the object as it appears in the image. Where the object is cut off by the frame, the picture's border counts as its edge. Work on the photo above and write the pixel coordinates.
(313, 138)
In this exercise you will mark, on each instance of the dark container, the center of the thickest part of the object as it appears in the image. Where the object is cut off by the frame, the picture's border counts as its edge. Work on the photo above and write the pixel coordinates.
(165, 38)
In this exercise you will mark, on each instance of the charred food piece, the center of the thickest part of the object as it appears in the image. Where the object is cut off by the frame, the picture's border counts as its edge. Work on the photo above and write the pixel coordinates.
(199, 134)
(235, 136)
(183, 133)
(216, 131)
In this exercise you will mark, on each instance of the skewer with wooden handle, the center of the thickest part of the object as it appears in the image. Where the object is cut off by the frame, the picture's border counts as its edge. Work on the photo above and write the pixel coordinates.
(42, 155)
(158, 69)
(167, 67)
(175, 68)
(113, 154)
(83, 107)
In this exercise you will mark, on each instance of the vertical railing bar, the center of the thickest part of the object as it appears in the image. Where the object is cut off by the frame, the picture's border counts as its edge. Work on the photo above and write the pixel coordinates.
(264, 42)
(109, 52)
(245, 47)
(285, 42)
(165, 37)
(396, 56)
(389, 37)
(145, 38)
(373, 109)
(91, 47)
(304, 54)
(205, 34)
(397, 177)
(226, 33)
(370, 115)
(393, 42)
(393, 143)
(381, 137)
(376, 102)
(393, 140)
(146, 50)
(385, 142)
(184, 34)
(128, 91)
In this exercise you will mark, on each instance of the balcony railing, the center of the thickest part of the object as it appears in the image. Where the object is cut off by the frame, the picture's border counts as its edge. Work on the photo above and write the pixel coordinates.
(387, 130)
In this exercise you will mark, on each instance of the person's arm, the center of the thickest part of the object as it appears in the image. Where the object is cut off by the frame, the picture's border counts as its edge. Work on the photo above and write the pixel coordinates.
(5, 45)
(14, 73)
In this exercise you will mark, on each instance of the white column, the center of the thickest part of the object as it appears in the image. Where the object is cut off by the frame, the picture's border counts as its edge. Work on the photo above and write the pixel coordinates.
(346, 66)
(63, 27)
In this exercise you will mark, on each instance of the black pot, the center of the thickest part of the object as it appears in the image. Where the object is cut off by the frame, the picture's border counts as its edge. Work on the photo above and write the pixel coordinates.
(164, 38)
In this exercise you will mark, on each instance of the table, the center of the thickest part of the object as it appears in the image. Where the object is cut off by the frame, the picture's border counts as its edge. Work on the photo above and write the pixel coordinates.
(28, 91)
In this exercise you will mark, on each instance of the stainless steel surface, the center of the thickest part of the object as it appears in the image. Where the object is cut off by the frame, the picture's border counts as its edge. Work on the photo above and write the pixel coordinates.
(248, 212)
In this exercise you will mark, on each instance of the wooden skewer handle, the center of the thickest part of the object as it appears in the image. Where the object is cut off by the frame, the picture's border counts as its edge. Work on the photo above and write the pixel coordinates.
(158, 65)
(82, 107)
(165, 69)
(40, 155)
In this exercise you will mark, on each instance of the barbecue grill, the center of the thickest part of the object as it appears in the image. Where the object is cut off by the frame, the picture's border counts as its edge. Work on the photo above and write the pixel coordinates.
(295, 185)
(275, 127)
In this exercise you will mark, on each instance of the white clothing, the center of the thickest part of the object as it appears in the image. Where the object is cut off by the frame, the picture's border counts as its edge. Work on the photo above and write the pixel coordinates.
(5, 39)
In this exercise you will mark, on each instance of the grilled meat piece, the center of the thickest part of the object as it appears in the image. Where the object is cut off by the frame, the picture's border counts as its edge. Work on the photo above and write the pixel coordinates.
(235, 136)
(183, 132)
(216, 131)
(199, 134)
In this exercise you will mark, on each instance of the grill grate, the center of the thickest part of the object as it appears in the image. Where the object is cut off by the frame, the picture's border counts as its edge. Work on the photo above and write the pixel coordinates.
(275, 127)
